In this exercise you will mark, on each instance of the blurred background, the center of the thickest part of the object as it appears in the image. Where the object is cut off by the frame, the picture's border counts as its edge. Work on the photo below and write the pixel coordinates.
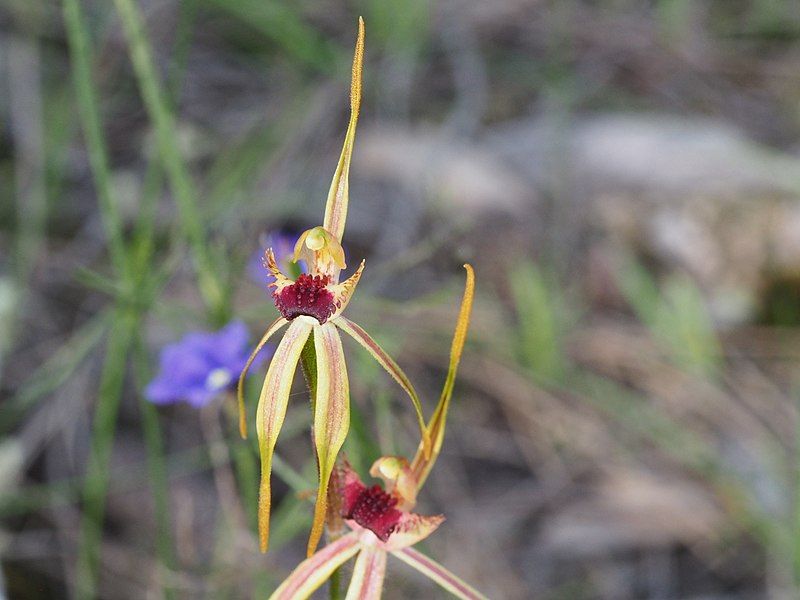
(625, 177)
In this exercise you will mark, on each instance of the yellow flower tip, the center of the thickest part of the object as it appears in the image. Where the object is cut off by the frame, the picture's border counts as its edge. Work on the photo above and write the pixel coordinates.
(317, 527)
(264, 505)
(338, 195)
(242, 424)
(242, 411)
(358, 66)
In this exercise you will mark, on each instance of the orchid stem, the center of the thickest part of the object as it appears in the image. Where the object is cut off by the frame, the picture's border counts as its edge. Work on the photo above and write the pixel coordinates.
(308, 360)
(335, 586)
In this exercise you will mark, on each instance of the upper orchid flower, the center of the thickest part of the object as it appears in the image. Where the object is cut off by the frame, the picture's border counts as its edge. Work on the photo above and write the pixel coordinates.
(312, 305)
(380, 520)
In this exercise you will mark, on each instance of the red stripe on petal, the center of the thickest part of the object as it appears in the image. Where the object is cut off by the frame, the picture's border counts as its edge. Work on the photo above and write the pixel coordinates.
(368, 574)
(331, 416)
(314, 571)
(433, 570)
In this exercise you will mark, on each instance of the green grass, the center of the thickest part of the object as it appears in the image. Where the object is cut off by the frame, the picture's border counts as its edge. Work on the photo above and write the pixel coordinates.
(676, 316)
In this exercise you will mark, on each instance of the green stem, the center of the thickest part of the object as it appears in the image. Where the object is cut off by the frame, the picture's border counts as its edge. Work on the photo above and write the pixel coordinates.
(308, 360)
(97, 470)
(88, 107)
(335, 586)
(156, 464)
(180, 181)
(144, 232)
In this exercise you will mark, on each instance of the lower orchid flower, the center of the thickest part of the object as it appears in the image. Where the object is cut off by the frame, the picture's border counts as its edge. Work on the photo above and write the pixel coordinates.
(380, 519)
(312, 305)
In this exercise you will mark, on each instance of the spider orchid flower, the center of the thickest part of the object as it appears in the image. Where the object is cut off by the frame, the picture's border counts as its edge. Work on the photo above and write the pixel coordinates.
(312, 306)
(380, 519)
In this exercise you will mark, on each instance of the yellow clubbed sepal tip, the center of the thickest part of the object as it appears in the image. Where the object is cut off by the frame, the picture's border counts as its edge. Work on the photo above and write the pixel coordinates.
(338, 196)
(318, 525)
(423, 463)
(264, 507)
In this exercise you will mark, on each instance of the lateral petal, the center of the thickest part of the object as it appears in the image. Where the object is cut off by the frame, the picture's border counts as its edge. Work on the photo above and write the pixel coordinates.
(422, 464)
(272, 410)
(274, 327)
(368, 574)
(344, 291)
(281, 280)
(336, 207)
(356, 332)
(412, 529)
(331, 416)
(436, 572)
(315, 570)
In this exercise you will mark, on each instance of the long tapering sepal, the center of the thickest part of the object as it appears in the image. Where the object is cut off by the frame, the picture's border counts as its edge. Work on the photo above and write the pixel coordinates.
(331, 416)
(356, 332)
(368, 574)
(436, 572)
(274, 327)
(315, 570)
(272, 410)
(338, 196)
(422, 464)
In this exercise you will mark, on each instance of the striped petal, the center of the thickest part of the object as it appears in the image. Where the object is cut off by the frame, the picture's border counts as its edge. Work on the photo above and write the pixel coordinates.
(331, 416)
(367, 580)
(412, 529)
(315, 570)
(274, 327)
(387, 362)
(344, 291)
(272, 410)
(336, 207)
(422, 463)
(436, 572)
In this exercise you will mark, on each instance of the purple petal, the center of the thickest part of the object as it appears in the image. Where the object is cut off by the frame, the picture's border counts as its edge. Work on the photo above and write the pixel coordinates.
(198, 398)
(229, 344)
(185, 366)
(162, 391)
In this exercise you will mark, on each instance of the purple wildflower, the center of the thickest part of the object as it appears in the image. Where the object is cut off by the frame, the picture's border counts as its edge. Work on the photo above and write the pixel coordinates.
(282, 245)
(200, 366)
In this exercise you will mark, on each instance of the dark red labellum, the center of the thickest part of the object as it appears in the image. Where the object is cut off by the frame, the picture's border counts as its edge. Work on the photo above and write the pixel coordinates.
(307, 296)
(375, 510)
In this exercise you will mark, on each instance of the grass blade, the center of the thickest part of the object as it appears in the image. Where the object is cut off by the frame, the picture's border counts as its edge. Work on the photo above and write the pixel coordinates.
(97, 470)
